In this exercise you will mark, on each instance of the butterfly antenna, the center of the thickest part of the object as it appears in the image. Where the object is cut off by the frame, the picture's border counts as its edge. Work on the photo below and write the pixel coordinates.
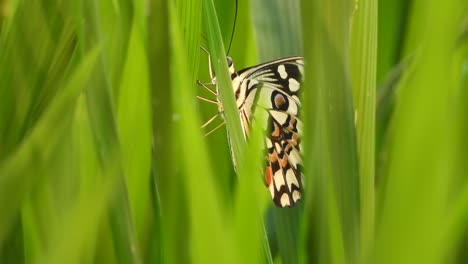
(233, 29)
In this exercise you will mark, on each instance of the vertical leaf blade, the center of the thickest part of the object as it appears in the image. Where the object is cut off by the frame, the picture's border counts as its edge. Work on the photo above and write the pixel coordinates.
(363, 66)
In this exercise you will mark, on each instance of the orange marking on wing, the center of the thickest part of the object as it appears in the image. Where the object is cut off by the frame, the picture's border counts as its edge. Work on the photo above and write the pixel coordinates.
(268, 174)
(277, 131)
(288, 148)
(284, 161)
(273, 157)
(293, 140)
(292, 123)
(279, 100)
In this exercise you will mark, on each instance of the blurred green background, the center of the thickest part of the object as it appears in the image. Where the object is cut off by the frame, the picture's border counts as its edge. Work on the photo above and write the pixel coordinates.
(102, 159)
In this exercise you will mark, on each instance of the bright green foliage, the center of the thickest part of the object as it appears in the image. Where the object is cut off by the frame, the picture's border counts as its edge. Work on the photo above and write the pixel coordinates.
(102, 159)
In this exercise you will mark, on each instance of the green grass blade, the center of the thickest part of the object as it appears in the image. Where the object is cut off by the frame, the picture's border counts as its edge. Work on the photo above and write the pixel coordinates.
(104, 125)
(414, 196)
(243, 54)
(277, 28)
(330, 135)
(135, 128)
(102, 159)
(168, 165)
(457, 219)
(251, 200)
(246, 163)
(167, 241)
(80, 222)
(363, 66)
(203, 198)
(392, 18)
(243, 49)
(35, 67)
(15, 172)
(224, 84)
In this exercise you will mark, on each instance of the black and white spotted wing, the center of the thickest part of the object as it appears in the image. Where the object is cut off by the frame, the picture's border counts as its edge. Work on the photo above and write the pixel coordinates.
(273, 88)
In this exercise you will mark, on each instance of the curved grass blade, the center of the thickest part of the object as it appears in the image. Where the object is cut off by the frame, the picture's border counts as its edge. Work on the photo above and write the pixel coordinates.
(218, 58)
(245, 168)
(33, 154)
(205, 209)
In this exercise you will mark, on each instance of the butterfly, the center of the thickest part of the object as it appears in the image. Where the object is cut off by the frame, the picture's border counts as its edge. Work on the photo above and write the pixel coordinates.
(272, 87)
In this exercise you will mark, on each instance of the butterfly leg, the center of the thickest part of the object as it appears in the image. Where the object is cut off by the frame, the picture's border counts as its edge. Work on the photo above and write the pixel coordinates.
(209, 63)
(205, 85)
(212, 79)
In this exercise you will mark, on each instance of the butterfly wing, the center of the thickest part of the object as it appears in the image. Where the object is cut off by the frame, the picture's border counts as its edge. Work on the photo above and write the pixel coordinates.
(274, 89)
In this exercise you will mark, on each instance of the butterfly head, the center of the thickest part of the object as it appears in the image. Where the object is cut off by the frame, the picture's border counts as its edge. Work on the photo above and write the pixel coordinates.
(230, 64)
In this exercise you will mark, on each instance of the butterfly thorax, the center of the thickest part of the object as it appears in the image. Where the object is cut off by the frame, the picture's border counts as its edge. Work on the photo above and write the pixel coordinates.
(236, 84)
(239, 91)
